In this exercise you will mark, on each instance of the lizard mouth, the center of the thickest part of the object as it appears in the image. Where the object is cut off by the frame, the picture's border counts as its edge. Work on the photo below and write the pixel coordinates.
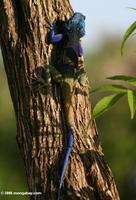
(81, 32)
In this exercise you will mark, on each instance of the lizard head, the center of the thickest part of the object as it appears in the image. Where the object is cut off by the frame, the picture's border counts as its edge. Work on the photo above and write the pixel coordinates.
(77, 23)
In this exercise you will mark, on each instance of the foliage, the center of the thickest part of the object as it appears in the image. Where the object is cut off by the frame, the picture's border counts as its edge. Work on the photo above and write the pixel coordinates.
(128, 33)
(119, 90)
(116, 130)
(105, 104)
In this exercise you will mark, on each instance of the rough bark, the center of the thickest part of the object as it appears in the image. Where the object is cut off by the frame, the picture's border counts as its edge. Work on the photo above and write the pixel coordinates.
(41, 125)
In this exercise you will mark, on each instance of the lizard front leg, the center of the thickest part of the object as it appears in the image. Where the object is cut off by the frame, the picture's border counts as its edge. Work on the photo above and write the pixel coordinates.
(43, 75)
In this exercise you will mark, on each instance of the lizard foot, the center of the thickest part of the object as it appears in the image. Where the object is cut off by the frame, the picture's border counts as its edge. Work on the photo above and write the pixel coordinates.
(41, 78)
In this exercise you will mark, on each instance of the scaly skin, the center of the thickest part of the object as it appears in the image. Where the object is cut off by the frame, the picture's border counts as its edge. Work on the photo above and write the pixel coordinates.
(68, 69)
(65, 72)
(67, 91)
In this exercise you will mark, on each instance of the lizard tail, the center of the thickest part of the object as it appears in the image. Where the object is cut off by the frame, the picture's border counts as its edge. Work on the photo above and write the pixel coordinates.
(65, 162)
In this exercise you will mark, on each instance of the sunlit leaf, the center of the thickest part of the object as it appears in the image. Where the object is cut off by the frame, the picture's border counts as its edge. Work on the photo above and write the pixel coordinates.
(129, 31)
(132, 102)
(110, 87)
(130, 79)
(105, 104)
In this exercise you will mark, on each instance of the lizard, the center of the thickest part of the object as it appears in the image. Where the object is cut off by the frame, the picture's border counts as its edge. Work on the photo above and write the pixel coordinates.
(67, 70)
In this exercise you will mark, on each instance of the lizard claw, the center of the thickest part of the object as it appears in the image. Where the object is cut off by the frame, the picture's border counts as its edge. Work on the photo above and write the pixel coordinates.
(41, 78)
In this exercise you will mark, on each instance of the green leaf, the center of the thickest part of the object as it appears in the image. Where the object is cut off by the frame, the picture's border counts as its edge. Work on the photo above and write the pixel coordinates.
(129, 31)
(132, 102)
(132, 8)
(133, 34)
(105, 104)
(130, 79)
(110, 87)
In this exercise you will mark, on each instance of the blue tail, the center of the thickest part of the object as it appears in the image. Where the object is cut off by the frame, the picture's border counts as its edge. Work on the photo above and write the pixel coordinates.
(64, 165)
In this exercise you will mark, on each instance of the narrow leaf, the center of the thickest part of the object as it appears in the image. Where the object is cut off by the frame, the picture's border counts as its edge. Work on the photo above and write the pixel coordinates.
(132, 8)
(130, 79)
(105, 104)
(110, 87)
(133, 34)
(132, 102)
(129, 31)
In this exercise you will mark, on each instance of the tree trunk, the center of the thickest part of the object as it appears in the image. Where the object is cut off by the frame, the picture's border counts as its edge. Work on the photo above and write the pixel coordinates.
(41, 125)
